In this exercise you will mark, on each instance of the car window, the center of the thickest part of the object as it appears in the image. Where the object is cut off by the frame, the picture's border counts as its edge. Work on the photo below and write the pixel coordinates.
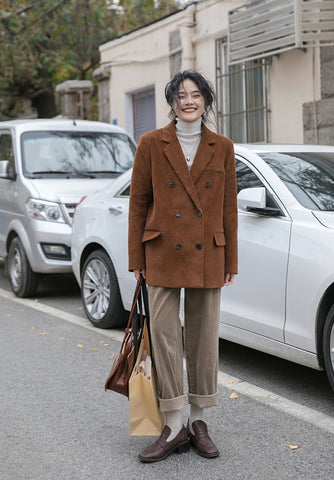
(308, 175)
(125, 192)
(77, 153)
(247, 178)
(6, 147)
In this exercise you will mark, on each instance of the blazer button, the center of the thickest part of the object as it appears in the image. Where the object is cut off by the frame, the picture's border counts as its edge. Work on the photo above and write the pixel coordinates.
(178, 246)
(199, 246)
(172, 184)
(208, 184)
(178, 214)
(199, 214)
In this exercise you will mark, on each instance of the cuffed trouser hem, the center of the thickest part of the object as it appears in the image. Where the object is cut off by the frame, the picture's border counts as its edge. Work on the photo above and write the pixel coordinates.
(203, 401)
(171, 404)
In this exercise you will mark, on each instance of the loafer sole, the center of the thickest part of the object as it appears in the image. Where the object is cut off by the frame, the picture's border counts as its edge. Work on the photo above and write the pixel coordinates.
(181, 448)
(202, 454)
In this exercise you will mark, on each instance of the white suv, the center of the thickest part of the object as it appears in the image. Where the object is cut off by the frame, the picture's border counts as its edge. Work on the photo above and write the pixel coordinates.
(46, 167)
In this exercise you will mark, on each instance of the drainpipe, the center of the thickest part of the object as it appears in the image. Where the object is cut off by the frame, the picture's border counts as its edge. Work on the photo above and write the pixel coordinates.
(187, 33)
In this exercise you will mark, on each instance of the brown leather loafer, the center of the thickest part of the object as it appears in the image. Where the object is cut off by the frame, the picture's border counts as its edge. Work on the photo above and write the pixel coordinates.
(201, 441)
(161, 448)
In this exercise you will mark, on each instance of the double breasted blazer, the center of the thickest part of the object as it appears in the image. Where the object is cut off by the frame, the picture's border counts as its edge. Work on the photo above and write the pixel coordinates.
(183, 223)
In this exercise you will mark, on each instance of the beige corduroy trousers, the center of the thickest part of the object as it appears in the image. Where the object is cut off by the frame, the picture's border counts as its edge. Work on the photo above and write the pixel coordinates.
(201, 342)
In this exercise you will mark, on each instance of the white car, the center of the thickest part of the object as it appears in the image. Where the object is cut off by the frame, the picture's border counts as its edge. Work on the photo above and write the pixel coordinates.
(46, 166)
(282, 301)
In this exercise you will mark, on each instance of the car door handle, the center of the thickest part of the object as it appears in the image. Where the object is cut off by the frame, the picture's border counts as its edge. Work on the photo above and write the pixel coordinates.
(116, 210)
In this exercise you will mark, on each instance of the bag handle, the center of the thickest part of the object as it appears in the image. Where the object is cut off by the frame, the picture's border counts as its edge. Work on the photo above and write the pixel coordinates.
(134, 302)
(136, 322)
(147, 315)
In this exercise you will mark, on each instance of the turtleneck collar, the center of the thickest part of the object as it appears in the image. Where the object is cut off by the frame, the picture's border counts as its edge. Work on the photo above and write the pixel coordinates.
(188, 128)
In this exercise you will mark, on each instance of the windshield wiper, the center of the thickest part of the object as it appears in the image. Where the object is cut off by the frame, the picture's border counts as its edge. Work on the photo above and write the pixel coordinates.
(74, 172)
(107, 171)
(49, 171)
(82, 173)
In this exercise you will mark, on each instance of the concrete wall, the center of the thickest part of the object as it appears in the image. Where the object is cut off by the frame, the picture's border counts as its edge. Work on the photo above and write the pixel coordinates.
(211, 24)
(319, 115)
(294, 80)
(138, 61)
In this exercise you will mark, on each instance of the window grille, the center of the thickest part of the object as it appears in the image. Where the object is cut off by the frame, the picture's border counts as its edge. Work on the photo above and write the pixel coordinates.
(242, 98)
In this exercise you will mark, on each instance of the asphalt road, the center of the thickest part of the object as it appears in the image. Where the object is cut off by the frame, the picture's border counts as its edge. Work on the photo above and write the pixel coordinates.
(59, 424)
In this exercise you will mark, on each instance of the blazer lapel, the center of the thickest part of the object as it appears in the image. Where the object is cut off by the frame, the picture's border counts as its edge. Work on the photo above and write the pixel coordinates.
(174, 154)
(203, 155)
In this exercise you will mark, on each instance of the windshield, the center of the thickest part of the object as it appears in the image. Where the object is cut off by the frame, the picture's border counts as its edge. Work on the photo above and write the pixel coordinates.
(309, 176)
(76, 153)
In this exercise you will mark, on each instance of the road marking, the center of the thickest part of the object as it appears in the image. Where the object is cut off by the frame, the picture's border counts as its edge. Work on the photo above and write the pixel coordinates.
(283, 404)
(258, 394)
(68, 317)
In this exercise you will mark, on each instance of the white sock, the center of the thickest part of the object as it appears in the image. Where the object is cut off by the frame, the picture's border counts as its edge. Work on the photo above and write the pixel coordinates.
(174, 422)
(196, 413)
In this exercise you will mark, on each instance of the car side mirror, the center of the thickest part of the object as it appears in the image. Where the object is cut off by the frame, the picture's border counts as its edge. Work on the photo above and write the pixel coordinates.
(7, 170)
(254, 200)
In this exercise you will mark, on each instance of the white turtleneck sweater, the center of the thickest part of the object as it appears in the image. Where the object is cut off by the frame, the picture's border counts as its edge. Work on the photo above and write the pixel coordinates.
(189, 136)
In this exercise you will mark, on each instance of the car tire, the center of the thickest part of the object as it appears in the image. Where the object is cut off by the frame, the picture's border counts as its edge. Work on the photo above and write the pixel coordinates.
(100, 292)
(328, 346)
(23, 280)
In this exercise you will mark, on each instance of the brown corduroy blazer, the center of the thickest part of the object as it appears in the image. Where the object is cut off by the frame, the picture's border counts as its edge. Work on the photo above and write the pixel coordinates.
(183, 223)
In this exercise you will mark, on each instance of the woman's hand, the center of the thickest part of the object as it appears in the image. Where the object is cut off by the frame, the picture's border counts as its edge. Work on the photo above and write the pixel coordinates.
(229, 279)
(137, 273)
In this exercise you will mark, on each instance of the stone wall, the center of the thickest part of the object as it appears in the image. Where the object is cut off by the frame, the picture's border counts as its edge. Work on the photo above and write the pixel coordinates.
(75, 98)
(318, 117)
(102, 76)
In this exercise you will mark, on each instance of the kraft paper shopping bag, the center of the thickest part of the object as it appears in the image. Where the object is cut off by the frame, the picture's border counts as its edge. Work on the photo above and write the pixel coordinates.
(145, 416)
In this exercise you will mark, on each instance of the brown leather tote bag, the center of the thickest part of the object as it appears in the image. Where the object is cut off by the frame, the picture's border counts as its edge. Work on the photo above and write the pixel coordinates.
(118, 379)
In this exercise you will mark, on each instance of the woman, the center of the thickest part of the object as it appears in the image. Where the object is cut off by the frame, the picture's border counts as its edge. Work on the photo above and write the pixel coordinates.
(183, 234)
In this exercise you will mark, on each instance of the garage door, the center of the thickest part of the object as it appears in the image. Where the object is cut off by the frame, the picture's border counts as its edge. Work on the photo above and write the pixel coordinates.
(143, 112)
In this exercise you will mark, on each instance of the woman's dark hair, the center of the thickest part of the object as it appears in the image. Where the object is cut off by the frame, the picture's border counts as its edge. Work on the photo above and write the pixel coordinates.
(206, 89)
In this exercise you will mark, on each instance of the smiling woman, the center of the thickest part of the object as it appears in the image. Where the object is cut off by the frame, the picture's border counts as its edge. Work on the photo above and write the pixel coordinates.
(189, 105)
(183, 234)
(189, 87)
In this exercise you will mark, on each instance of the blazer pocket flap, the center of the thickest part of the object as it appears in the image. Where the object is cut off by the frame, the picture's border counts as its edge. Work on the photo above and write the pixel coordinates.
(150, 235)
(220, 239)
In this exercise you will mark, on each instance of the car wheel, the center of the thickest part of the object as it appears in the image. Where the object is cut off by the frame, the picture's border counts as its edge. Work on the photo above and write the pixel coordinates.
(23, 280)
(328, 346)
(100, 292)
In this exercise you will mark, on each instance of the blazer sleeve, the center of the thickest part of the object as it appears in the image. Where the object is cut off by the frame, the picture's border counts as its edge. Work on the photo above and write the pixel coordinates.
(231, 214)
(140, 200)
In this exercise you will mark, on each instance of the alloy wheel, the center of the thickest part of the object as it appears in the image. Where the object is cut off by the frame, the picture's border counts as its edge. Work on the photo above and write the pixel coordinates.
(96, 289)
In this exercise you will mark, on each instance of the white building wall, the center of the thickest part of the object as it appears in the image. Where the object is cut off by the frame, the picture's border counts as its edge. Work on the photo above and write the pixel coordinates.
(138, 61)
(211, 24)
(294, 80)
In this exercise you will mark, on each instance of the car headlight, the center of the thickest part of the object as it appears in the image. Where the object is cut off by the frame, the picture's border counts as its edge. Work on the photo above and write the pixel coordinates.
(44, 210)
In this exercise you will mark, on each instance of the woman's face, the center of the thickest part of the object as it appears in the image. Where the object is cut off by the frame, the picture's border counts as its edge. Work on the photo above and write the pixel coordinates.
(189, 105)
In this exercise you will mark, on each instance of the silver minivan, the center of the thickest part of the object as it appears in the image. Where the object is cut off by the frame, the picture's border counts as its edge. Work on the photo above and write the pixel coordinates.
(46, 167)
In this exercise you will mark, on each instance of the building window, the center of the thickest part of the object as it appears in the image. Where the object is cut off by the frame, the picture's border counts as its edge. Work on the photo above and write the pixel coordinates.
(242, 98)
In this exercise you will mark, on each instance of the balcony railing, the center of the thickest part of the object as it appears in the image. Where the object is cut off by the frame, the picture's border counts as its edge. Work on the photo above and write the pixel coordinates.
(269, 27)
